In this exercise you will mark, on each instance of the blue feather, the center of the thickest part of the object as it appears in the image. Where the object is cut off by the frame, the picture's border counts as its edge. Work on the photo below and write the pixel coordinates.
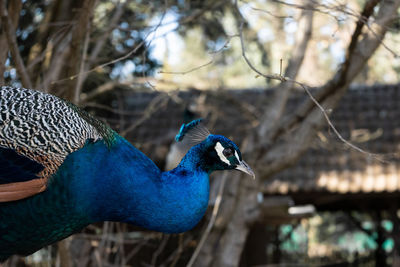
(17, 168)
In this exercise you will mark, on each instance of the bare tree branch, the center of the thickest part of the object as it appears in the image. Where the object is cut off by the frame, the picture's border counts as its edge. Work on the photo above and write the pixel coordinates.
(79, 31)
(210, 224)
(272, 14)
(103, 88)
(328, 9)
(125, 56)
(340, 80)
(81, 78)
(276, 107)
(159, 102)
(360, 52)
(106, 34)
(14, 8)
(41, 49)
(212, 60)
(9, 30)
(244, 209)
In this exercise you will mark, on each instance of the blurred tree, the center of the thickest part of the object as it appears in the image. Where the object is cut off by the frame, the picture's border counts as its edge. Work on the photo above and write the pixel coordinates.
(59, 39)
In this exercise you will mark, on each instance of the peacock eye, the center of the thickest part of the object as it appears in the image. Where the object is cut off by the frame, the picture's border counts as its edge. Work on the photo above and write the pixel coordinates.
(228, 152)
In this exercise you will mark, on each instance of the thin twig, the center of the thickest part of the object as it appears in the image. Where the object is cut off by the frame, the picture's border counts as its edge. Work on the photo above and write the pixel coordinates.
(127, 55)
(157, 103)
(134, 50)
(179, 251)
(79, 83)
(330, 11)
(210, 223)
(9, 30)
(214, 53)
(119, 7)
(396, 55)
(188, 71)
(268, 76)
(119, 111)
(149, 44)
(376, 156)
(272, 14)
(159, 250)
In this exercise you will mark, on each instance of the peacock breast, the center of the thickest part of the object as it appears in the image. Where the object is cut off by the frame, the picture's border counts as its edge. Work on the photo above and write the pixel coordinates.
(189, 200)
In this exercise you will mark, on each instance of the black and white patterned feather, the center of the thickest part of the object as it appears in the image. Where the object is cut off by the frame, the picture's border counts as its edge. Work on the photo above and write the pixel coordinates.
(43, 127)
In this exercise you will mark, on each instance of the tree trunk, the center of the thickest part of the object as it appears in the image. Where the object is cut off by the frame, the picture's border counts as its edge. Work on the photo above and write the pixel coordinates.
(14, 9)
(8, 28)
(258, 239)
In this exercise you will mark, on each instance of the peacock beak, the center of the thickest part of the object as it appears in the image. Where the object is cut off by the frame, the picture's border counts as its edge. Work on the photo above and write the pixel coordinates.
(245, 168)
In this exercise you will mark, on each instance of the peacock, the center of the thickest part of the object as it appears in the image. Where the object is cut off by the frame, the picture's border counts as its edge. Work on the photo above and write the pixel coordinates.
(61, 170)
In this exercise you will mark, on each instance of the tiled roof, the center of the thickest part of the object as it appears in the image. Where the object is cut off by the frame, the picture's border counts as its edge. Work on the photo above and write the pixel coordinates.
(369, 117)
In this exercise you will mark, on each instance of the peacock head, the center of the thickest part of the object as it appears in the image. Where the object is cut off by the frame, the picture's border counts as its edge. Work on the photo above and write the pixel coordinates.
(218, 152)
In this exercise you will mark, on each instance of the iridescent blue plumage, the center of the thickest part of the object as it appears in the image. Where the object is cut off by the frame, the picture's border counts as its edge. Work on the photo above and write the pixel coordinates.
(105, 178)
(16, 168)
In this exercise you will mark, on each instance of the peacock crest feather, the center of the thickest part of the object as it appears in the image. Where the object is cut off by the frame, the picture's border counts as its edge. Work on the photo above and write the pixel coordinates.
(193, 132)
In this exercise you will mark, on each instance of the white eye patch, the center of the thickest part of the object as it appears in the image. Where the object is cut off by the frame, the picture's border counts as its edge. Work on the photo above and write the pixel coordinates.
(237, 156)
(219, 148)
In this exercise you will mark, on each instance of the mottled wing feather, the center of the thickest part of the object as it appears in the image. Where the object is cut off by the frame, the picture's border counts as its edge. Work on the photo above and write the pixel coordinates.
(40, 128)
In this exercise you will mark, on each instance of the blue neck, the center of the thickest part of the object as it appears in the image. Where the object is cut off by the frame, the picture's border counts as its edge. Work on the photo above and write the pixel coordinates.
(122, 184)
(193, 160)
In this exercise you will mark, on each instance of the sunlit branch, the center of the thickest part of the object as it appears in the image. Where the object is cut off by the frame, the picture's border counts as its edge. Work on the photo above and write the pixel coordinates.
(214, 53)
